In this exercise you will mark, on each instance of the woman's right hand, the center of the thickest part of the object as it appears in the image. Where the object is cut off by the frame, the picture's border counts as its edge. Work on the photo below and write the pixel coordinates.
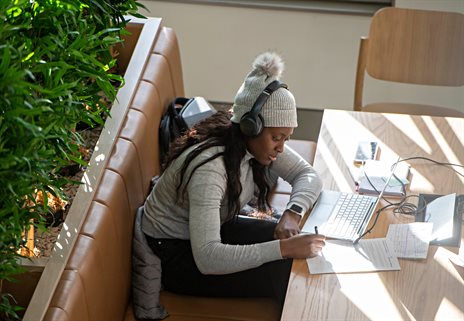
(302, 246)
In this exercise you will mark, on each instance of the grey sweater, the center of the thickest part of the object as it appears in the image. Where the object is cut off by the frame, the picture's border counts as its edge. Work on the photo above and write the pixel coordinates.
(199, 213)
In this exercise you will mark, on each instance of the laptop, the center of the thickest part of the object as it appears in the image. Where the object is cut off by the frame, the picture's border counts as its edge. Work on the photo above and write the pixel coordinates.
(343, 216)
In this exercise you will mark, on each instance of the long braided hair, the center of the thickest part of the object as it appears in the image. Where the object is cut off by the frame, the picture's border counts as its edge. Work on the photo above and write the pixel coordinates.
(218, 130)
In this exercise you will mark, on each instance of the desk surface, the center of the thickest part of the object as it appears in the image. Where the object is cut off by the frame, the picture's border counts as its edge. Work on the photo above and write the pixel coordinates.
(431, 289)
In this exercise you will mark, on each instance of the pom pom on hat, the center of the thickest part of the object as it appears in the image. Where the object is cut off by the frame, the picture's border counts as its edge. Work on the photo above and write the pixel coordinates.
(280, 108)
(269, 63)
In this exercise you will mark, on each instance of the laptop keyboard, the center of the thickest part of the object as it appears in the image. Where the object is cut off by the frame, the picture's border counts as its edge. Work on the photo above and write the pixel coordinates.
(348, 215)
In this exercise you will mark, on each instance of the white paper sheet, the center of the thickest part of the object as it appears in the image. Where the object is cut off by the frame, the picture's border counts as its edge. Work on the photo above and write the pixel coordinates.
(441, 213)
(410, 241)
(344, 257)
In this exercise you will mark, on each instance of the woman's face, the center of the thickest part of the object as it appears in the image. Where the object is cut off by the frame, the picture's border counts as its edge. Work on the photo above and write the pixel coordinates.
(269, 143)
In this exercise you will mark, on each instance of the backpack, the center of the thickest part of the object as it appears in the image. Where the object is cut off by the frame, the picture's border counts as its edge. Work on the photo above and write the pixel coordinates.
(181, 115)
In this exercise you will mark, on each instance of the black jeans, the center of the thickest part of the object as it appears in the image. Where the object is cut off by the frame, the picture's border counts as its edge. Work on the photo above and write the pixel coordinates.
(181, 275)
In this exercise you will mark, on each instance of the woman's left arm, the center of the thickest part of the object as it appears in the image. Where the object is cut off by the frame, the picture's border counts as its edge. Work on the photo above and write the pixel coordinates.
(306, 187)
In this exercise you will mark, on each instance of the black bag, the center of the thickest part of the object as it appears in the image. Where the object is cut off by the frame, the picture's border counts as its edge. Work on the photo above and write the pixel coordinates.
(182, 114)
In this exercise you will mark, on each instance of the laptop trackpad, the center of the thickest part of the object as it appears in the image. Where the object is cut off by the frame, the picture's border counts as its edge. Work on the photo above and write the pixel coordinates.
(322, 210)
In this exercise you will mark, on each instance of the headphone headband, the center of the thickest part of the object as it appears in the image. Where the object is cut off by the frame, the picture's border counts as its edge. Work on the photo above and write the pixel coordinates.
(264, 96)
(251, 123)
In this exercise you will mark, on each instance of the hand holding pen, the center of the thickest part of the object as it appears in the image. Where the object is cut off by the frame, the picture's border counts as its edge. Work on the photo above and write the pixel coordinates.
(302, 246)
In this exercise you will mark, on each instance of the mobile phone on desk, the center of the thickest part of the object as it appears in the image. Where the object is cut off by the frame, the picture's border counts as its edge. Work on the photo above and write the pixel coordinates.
(366, 150)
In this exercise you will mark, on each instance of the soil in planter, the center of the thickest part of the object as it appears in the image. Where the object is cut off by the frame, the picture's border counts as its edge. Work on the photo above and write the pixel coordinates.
(44, 240)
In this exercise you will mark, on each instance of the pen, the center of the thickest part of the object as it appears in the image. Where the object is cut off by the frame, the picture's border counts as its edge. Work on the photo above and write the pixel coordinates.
(315, 230)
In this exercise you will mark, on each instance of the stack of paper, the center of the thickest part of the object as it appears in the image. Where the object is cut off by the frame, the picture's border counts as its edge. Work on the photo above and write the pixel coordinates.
(410, 241)
(374, 174)
(345, 257)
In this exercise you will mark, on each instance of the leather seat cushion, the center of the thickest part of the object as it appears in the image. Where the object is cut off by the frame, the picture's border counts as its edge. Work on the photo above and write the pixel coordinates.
(193, 308)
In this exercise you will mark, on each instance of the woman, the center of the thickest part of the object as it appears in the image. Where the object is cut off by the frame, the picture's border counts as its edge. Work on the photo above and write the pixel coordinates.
(190, 217)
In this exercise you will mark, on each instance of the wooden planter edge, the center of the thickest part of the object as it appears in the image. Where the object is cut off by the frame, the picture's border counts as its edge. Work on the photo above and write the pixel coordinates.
(135, 56)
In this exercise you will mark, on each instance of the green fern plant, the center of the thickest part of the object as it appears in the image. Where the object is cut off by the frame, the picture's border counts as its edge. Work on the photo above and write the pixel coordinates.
(55, 67)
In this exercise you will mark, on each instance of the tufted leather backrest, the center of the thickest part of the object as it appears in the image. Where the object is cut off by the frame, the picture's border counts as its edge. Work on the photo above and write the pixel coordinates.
(95, 284)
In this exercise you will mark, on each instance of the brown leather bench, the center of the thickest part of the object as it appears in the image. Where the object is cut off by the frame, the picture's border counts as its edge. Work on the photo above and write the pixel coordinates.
(96, 283)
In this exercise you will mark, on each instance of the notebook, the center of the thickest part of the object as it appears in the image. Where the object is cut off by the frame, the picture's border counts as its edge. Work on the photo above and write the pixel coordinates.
(341, 215)
(375, 173)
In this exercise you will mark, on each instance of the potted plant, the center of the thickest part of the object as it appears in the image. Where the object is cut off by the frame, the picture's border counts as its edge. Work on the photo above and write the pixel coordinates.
(57, 72)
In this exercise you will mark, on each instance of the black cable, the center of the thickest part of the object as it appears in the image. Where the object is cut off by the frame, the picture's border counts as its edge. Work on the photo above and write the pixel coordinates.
(373, 224)
(407, 208)
(436, 162)
(403, 207)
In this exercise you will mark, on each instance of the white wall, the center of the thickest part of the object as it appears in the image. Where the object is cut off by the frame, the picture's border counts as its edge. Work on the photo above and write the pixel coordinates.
(218, 45)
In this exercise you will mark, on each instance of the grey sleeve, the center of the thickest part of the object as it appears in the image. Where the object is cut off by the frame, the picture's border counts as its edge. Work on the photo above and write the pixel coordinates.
(305, 182)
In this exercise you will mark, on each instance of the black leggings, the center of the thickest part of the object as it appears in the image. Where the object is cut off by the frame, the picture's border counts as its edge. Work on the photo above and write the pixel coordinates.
(181, 275)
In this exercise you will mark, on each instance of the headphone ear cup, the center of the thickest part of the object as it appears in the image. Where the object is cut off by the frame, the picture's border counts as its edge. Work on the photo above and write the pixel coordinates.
(252, 123)
(251, 126)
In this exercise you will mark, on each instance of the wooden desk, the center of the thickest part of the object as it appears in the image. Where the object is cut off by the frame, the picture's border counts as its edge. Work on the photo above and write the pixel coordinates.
(431, 289)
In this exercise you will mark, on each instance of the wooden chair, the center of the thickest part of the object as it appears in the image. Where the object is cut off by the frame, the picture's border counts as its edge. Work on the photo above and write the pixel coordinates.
(415, 47)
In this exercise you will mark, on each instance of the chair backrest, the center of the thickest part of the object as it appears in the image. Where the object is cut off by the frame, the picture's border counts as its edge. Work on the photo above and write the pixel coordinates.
(416, 47)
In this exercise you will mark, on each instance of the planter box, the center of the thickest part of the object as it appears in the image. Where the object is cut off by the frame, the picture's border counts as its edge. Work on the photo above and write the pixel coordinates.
(133, 57)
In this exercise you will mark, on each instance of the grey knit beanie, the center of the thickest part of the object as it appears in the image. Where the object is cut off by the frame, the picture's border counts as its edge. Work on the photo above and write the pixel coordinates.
(280, 108)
